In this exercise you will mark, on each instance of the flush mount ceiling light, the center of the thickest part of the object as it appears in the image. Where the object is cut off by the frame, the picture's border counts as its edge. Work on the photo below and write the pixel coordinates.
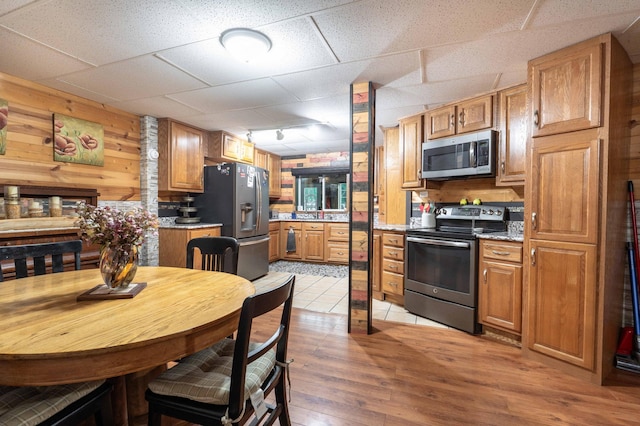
(245, 44)
(279, 135)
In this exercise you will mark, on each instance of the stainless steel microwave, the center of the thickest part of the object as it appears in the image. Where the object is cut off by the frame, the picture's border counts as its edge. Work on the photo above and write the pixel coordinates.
(460, 156)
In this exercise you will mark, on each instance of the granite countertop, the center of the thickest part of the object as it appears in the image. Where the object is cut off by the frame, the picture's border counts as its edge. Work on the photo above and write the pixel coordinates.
(502, 236)
(189, 225)
(393, 227)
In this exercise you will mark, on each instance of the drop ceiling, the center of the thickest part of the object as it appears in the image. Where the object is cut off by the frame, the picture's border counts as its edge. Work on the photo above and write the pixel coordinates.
(162, 57)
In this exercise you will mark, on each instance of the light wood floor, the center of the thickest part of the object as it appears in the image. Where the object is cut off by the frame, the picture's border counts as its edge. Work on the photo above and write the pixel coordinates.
(406, 374)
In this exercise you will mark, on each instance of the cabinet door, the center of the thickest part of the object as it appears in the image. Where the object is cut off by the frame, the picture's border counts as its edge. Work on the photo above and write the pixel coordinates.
(513, 136)
(181, 162)
(500, 296)
(231, 147)
(274, 165)
(563, 194)
(566, 89)
(260, 158)
(293, 254)
(475, 114)
(313, 241)
(441, 122)
(561, 301)
(392, 283)
(411, 137)
(274, 245)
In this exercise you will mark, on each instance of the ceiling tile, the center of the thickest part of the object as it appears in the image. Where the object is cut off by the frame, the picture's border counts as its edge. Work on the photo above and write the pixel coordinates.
(137, 78)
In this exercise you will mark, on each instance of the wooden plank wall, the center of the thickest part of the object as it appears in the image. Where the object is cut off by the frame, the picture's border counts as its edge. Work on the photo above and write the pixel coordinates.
(29, 155)
(634, 163)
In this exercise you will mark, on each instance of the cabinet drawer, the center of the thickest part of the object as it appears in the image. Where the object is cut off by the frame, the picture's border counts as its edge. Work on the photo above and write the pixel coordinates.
(288, 225)
(204, 232)
(274, 226)
(393, 266)
(395, 253)
(337, 232)
(502, 251)
(338, 252)
(395, 240)
(392, 283)
(313, 226)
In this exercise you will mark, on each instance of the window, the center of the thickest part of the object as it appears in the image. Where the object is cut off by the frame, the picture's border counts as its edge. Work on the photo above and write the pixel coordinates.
(321, 191)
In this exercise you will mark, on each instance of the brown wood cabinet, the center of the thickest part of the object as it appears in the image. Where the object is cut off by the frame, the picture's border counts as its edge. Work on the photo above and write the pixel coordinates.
(376, 281)
(274, 241)
(575, 206)
(181, 157)
(411, 138)
(566, 89)
(173, 245)
(313, 241)
(272, 163)
(392, 201)
(500, 285)
(393, 265)
(285, 229)
(513, 136)
(223, 146)
(463, 117)
(337, 243)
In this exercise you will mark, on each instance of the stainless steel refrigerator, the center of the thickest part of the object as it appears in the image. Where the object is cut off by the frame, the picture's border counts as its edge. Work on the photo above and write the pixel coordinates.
(237, 195)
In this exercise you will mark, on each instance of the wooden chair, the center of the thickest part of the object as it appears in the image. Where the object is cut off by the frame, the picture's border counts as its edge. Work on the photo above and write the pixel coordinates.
(218, 253)
(38, 255)
(214, 386)
(58, 404)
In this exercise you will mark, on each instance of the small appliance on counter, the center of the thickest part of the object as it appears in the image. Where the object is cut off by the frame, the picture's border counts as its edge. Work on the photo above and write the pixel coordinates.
(188, 211)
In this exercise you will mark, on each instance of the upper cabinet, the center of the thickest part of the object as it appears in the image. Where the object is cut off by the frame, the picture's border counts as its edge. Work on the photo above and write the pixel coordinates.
(273, 164)
(463, 117)
(181, 157)
(411, 138)
(566, 90)
(224, 146)
(513, 136)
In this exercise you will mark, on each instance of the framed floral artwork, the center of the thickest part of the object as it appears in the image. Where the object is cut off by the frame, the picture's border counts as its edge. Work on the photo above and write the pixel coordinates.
(4, 119)
(77, 141)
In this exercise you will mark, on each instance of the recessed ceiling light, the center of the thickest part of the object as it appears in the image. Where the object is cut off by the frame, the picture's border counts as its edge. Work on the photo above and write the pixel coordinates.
(245, 44)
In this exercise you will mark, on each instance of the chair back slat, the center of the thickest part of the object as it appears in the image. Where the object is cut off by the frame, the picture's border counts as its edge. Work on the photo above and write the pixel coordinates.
(37, 255)
(218, 253)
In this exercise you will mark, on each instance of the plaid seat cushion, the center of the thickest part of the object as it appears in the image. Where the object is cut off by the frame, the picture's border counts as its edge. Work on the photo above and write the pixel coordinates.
(206, 375)
(30, 405)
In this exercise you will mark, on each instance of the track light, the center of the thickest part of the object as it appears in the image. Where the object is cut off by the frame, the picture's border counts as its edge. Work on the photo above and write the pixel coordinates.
(279, 135)
(250, 136)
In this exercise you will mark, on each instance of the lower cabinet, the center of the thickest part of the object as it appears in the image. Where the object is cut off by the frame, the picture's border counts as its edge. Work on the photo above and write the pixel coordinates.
(173, 245)
(313, 241)
(274, 241)
(500, 285)
(336, 248)
(393, 265)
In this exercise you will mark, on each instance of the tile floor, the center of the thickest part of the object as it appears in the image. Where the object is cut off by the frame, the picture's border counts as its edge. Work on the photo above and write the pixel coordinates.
(329, 294)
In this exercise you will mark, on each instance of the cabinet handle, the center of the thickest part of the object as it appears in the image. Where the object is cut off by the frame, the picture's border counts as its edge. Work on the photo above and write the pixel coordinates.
(485, 276)
(340, 233)
(461, 120)
(393, 267)
(502, 166)
(534, 221)
(340, 253)
(452, 120)
(533, 257)
(500, 253)
(536, 117)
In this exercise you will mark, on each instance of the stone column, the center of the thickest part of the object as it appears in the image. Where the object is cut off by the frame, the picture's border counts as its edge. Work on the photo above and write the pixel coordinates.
(149, 183)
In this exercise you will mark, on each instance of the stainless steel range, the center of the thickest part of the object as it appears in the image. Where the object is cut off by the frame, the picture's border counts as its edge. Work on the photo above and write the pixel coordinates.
(441, 276)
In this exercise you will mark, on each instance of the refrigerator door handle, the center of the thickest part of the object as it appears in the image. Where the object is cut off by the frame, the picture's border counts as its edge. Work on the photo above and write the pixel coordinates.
(252, 243)
(258, 186)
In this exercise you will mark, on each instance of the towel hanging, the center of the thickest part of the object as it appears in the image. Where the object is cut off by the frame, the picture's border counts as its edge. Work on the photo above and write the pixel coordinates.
(291, 240)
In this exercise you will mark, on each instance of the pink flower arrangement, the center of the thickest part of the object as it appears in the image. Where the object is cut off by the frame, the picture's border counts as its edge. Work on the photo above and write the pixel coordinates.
(109, 227)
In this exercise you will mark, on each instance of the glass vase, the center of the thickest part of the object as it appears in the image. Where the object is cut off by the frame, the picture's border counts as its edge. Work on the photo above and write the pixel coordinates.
(118, 265)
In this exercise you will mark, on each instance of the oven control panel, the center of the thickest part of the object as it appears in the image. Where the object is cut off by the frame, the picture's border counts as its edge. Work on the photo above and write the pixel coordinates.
(471, 212)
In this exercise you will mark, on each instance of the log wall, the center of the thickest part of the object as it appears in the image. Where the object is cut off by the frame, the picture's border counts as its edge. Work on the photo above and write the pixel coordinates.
(29, 150)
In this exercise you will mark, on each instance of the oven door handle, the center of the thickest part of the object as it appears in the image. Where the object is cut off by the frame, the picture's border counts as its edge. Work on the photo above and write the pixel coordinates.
(438, 242)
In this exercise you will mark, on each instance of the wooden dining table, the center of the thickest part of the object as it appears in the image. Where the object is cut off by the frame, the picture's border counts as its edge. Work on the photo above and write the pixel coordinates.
(49, 337)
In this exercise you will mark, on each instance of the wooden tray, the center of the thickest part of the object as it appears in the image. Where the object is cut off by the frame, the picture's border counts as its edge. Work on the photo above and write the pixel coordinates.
(102, 292)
